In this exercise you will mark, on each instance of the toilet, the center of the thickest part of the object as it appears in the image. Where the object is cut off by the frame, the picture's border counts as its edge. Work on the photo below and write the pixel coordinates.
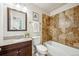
(40, 49)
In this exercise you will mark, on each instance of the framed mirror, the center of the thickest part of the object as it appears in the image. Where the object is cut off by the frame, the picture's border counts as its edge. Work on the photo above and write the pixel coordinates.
(16, 20)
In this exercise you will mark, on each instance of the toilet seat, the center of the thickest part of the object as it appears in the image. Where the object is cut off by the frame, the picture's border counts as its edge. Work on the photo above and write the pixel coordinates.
(41, 49)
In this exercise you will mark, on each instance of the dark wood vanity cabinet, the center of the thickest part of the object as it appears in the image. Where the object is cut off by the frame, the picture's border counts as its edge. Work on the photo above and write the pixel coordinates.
(10, 53)
(18, 49)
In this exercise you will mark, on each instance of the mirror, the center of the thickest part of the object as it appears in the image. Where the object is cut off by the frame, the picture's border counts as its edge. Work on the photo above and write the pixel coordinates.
(17, 20)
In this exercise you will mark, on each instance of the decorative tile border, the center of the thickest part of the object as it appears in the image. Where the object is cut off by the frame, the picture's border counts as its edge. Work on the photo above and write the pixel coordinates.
(14, 37)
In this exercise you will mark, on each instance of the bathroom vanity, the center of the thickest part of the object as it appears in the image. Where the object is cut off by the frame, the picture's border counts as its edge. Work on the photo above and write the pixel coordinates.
(20, 47)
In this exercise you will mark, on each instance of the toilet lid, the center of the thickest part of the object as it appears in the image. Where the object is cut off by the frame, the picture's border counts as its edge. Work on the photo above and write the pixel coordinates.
(41, 48)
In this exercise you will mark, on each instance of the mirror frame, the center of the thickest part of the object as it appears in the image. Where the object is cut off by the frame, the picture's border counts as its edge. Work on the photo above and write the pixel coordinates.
(8, 19)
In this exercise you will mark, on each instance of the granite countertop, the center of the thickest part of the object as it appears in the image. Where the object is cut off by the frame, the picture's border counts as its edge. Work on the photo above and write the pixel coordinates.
(13, 41)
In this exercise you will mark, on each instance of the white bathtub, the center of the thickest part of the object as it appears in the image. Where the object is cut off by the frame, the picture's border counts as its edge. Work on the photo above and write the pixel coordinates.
(57, 49)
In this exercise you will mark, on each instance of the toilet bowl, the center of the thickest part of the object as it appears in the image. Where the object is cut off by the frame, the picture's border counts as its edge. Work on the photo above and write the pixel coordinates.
(39, 48)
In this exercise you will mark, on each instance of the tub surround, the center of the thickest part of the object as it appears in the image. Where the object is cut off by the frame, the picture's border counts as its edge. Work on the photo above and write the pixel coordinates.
(13, 41)
(46, 36)
(64, 27)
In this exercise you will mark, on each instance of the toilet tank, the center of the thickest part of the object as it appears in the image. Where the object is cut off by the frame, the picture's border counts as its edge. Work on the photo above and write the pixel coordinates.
(36, 40)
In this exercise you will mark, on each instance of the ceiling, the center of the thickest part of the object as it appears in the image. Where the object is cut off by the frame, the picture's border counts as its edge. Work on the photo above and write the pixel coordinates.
(49, 6)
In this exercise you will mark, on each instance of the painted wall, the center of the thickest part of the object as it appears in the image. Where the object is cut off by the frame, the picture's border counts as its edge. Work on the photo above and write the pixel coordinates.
(29, 10)
(1, 22)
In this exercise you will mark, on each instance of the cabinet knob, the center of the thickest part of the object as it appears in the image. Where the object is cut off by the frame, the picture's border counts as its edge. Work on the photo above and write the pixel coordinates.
(19, 51)
(0, 49)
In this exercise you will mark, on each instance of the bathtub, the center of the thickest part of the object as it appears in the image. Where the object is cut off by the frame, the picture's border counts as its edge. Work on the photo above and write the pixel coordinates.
(57, 49)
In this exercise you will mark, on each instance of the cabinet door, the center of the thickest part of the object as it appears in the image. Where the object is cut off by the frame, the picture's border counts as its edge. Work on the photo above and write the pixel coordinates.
(25, 51)
(11, 53)
(22, 52)
(29, 51)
